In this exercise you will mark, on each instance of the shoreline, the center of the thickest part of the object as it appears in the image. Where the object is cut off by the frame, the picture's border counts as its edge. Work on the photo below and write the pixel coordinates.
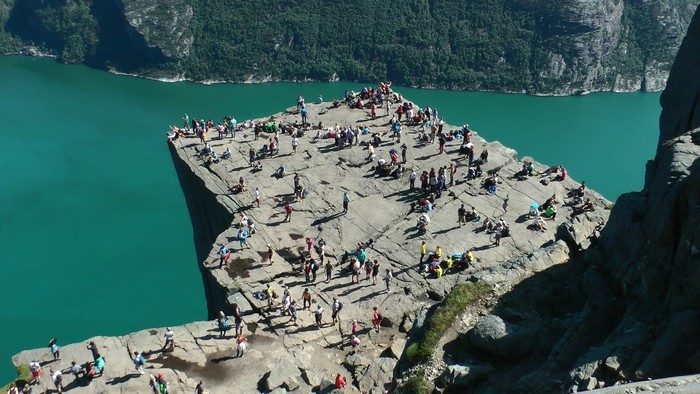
(29, 51)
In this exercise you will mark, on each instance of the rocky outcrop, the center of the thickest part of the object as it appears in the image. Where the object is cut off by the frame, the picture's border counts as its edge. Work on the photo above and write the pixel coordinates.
(162, 25)
(382, 214)
(627, 308)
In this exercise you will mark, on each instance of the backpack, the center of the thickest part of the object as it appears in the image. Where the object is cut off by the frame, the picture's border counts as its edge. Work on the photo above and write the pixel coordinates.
(340, 306)
(141, 360)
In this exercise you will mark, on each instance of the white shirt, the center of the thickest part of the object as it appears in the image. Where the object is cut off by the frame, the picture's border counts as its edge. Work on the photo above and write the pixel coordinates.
(295, 141)
(169, 334)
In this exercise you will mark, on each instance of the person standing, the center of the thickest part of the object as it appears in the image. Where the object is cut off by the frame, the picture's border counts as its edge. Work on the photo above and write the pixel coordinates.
(423, 252)
(270, 292)
(169, 339)
(139, 362)
(309, 245)
(373, 111)
(375, 272)
(387, 279)
(329, 271)
(251, 156)
(199, 389)
(293, 312)
(256, 195)
(55, 349)
(404, 149)
(376, 319)
(335, 308)
(306, 298)
(270, 253)
(238, 319)
(288, 209)
(318, 314)
(355, 327)
(412, 180)
(346, 202)
(223, 324)
(223, 251)
(453, 172)
(461, 213)
(295, 144)
(241, 345)
(442, 142)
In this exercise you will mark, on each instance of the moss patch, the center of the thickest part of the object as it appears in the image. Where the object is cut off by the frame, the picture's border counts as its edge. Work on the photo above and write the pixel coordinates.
(454, 305)
(23, 375)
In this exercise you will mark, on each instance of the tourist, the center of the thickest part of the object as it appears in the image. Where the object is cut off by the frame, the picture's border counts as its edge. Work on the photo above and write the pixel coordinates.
(76, 369)
(199, 389)
(256, 197)
(270, 253)
(270, 293)
(306, 298)
(473, 215)
(242, 237)
(251, 155)
(35, 369)
(169, 339)
(57, 378)
(404, 149)
(423, 252)
(329, 270)
(375, 272)
(223, 251)
(539, 224)
(339, 382)
(355, 327)
(237, 319)
(223, 324)
(293, 312)
(318, 314)
(13, 389)
(346, 202)
(307, 271)
(241, 345)
(412, 180)
(461, 212)
(376, 319)
(335, 309)
(93, 348)
(288, 209)
(368, 269)
(139, 362)
(295, 144)
(55, 349)
(387, 279)
(355, 341)
(309, 245)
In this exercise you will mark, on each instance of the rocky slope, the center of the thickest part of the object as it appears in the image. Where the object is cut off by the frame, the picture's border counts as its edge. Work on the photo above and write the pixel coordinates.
(532, 46)
(627, 309)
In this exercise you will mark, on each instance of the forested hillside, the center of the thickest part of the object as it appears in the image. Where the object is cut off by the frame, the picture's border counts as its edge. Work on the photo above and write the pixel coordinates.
(537, 46)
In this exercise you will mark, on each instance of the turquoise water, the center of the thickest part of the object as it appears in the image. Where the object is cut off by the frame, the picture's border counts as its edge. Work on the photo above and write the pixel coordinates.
(95, 237)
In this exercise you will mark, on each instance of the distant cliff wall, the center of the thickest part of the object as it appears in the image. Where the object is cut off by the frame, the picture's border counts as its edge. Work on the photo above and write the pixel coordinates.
(532, 46)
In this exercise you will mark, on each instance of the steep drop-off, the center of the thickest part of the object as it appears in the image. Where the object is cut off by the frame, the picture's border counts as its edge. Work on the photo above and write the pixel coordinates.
(628, 309)
(533, 46)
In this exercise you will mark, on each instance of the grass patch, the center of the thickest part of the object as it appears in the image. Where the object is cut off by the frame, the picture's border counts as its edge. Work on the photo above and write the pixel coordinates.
(454, 305)
(415, 385)
(23, 375)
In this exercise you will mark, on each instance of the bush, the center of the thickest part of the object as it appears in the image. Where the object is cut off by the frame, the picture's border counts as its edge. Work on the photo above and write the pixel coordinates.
(454, 305)
(415, 385)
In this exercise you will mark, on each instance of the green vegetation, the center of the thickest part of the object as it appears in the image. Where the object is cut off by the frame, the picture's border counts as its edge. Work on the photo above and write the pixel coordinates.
(444, 317)
(415, 385)
(501, 45)
(23, 375)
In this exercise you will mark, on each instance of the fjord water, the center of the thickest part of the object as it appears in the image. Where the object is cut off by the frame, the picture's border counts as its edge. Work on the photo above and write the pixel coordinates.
(95, 237)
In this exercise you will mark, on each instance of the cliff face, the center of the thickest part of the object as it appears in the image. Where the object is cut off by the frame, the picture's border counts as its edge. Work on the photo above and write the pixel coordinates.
(628, 308)
(514, 46)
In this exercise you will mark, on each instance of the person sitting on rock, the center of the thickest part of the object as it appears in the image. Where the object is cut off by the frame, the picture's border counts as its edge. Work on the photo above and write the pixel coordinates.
(472, 215)
(227, 154)
(551, 212)
(550, 201)
(489, 225)
(438, 271)
(539, 224)
(586, 207)
(281, 172)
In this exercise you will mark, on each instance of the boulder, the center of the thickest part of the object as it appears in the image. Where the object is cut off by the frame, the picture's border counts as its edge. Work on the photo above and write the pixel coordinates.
(463, 375)
(280, 373)
(326, 386)
(291, 384)
(310, 377)
(377, 374)
(397, 347)
(590, 383)
(493, 335)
